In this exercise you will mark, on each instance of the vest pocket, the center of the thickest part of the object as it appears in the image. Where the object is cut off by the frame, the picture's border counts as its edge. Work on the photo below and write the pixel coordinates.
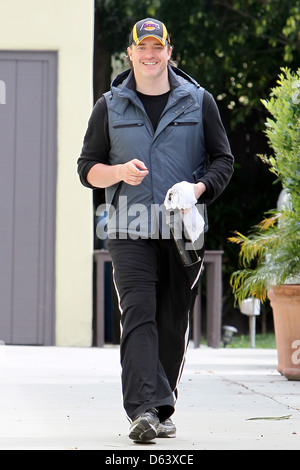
(127, 123)
(184, 122)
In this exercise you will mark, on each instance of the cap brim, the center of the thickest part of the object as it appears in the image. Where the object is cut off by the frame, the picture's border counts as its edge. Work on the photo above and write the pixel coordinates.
(139, 40)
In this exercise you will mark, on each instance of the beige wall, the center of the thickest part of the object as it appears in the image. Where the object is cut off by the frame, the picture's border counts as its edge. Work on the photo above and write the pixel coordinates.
(65, 26)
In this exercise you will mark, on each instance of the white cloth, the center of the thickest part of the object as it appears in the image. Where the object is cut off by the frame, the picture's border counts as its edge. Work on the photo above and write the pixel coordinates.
(182, 196)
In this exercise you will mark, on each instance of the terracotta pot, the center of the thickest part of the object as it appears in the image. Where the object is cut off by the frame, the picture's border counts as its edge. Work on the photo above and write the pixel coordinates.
(285, 302)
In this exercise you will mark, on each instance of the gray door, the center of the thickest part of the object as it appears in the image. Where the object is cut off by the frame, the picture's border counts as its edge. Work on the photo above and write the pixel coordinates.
(27, 204)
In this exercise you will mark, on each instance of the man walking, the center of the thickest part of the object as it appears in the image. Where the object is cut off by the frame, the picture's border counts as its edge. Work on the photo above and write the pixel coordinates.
(156, 131)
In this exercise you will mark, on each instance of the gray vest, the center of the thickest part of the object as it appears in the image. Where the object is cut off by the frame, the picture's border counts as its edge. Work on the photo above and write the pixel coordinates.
(174, 152)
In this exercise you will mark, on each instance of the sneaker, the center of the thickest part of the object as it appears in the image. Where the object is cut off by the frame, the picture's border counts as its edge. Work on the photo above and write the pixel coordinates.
(166, 429)
(144, 428)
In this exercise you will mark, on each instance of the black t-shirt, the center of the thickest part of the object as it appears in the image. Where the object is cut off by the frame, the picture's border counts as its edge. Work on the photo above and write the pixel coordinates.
(154, 105)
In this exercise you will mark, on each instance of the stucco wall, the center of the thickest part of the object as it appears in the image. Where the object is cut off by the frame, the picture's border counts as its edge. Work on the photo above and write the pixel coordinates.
(65, 26)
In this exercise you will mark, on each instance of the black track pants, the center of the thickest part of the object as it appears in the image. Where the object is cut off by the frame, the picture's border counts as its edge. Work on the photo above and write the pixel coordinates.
(155, 297)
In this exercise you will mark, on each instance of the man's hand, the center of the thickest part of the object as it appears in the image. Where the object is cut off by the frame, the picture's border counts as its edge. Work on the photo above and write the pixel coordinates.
(133, 172)
(102, 175)
(199, 188)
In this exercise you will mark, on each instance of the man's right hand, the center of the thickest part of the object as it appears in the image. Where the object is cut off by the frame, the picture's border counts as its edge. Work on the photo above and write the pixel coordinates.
(133, 172)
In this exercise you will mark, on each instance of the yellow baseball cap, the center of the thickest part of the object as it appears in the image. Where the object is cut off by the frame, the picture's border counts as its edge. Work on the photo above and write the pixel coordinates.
(149, 28)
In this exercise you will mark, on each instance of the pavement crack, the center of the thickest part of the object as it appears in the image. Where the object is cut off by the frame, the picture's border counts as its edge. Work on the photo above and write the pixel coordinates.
(270, 397)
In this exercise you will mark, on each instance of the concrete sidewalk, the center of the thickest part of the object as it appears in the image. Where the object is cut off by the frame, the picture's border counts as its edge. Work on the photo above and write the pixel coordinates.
(54, 398)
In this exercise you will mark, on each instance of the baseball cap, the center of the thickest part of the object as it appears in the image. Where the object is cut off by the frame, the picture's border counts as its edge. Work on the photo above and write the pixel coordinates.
(149, 28)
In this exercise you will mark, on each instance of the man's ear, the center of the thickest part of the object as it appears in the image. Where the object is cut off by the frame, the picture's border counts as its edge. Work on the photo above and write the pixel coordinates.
(129, 52)
(170, 52)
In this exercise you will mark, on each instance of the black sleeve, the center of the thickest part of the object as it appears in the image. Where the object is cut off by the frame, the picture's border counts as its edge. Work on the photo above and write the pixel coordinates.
(96, 142)
(220, 158)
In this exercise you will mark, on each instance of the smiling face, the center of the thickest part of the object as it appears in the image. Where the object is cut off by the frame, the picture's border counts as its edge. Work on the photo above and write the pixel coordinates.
(149, 60)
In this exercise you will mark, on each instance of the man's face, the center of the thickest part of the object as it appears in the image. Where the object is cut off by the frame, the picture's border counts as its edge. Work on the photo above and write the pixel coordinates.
(150, 58)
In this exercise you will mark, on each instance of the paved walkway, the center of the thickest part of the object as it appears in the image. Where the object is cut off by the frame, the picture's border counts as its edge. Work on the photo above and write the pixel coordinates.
(54, 398)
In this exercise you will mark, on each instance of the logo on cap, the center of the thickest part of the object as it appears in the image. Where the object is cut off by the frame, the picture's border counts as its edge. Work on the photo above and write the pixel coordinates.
(149, 26)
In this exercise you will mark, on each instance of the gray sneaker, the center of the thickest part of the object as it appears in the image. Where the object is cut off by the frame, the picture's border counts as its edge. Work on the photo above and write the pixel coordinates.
(144, 428)
(166, 429)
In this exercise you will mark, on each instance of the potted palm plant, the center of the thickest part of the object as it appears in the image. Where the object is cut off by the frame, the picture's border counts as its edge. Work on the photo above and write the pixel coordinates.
(270, 254)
